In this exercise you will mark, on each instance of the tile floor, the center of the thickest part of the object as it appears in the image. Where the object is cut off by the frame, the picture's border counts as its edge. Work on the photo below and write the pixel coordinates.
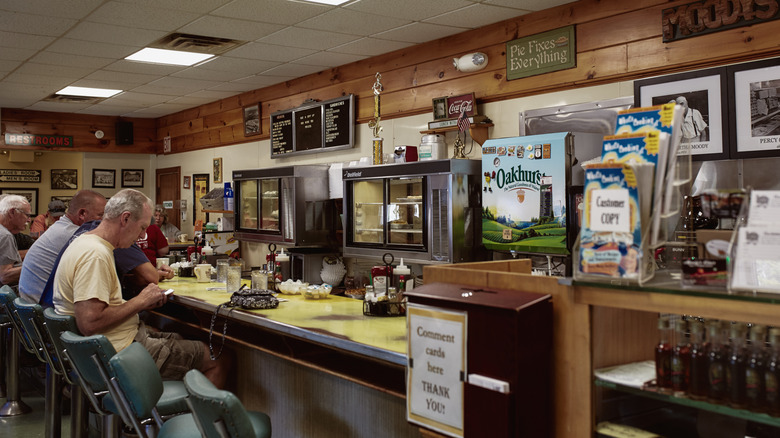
(30, 424)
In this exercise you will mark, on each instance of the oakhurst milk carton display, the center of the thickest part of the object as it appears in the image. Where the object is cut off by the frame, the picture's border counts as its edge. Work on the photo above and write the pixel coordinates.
(524, 193)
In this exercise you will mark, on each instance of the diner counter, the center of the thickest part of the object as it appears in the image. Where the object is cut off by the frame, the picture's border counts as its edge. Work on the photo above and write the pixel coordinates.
(336, 321)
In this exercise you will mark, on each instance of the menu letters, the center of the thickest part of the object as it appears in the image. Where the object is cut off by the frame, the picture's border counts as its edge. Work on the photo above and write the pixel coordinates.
(313, 127)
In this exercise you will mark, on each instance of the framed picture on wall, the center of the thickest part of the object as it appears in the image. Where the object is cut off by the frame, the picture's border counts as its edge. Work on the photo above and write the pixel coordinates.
(64, 179)
(187, 182)
(104, 178)
(755, 108)
(252, 124)
(132, 177)
(200, 187)
(703, 93)
(30, 194)
(217, 164)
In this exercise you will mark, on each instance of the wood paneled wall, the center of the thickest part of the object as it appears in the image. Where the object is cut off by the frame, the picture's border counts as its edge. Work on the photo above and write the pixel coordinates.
(616, 41)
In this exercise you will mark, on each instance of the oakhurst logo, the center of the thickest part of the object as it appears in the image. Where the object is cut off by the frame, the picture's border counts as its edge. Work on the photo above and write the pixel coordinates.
(517, 175)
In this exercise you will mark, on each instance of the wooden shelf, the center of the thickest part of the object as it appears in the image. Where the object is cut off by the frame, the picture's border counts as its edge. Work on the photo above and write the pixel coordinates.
(219, 211)
(477, 131)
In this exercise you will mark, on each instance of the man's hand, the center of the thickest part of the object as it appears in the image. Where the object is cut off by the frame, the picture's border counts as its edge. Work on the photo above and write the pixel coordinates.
(165, 272)
(151, 297)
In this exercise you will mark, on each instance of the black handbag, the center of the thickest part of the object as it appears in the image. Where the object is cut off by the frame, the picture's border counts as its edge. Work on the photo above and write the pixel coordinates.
(248, 299)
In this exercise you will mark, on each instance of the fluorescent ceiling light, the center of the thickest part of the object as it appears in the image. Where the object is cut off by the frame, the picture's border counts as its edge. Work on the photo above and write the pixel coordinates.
(328, 2)
(173, 57)
(90, 92)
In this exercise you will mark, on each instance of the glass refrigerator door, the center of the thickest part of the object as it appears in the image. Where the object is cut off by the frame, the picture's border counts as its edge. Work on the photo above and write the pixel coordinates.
(247, 204)
(269, 206)
(405, 212)
(368, 211)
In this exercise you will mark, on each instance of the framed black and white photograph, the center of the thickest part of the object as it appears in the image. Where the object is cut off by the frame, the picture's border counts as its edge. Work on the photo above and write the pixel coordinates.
(64, 179)
(187, 180)
(252, 120)
(104, 178)
(703, 94)
(132, 178)
(30, 194)
(755, 108)
(65, 200)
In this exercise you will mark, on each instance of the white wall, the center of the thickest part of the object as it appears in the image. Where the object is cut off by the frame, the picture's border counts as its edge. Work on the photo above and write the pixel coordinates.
(105, 160)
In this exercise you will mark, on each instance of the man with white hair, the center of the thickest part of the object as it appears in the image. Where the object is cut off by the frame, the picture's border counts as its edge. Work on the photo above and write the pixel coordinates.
(14, 215)
(85, 206)
(86, 286)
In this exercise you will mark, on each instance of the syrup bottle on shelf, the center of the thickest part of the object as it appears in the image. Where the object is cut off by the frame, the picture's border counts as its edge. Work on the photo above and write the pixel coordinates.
(772, 373)
(754, 369)
(663, 355)
(681, 358)
(698, 384)
(735, 366)
(716, 362)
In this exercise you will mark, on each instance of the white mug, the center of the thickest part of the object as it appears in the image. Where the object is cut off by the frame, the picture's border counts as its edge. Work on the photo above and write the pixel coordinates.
(203, 273)
(182, 238)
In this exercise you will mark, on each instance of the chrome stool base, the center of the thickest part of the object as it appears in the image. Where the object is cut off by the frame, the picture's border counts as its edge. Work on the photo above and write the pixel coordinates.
(13, 408)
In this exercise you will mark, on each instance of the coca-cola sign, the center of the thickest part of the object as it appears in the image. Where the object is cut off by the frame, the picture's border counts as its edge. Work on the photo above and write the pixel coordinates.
(464, 102)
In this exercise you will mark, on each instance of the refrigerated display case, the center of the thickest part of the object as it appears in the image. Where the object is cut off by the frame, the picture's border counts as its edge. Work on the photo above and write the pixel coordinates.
(287, 205)
(425, 212)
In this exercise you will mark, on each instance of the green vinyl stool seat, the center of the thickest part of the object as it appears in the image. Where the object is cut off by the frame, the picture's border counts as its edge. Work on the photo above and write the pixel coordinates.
(14, 404)
(215, 413)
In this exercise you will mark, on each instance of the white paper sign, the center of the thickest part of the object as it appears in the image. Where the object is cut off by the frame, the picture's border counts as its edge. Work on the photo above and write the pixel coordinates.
(757, 260)
(764, 207)
(437, 356)
(610, 210)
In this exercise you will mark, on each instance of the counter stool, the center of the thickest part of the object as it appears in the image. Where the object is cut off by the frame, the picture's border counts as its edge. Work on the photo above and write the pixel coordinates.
(89, 356)
(215, 414)
(54, 324)
(14, 404)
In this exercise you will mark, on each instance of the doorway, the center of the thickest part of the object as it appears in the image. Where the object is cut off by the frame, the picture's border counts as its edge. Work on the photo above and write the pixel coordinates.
(169, 189)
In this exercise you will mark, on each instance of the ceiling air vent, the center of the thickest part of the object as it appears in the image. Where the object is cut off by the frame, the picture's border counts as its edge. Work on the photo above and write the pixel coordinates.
(64, 98)
(196, 43)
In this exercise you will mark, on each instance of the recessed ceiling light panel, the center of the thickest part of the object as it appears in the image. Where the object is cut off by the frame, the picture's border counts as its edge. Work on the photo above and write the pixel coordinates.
(90, 92)
(170, 57)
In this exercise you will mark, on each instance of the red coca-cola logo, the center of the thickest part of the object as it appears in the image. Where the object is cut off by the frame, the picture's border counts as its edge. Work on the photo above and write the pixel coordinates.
(457, 104)
(458, 107)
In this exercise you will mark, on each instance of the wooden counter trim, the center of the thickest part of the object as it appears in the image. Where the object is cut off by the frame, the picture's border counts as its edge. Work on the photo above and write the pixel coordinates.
(707, 307)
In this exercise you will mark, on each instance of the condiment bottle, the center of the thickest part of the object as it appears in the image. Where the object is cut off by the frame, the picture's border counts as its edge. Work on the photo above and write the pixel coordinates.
(772, 373)
(283, 264)
(663, 355)
(404, 273)
(699, 350)
(716, 362)
(735, 367)
(754, 369)
(681, 358)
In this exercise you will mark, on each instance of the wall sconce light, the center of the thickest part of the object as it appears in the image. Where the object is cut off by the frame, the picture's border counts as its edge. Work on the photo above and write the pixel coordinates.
(470, 63)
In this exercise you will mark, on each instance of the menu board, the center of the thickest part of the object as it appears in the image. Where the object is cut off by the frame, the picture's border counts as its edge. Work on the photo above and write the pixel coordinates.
(314, 127)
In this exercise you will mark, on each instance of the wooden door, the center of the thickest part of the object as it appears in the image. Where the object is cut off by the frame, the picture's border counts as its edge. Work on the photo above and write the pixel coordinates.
(169, 189)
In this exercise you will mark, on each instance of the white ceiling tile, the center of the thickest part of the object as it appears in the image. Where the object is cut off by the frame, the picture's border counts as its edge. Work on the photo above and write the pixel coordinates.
(415, 10)
(281, 11)
(209, 75)
(352, 22)
(329, 59)
(220, 27)
(15, 54)
(22, 41)
(211, 94)
(8, 66)
(21, 102)
(112, 34)
(67, 9)
(51, 82)
(62, 59)
(183, 86)
(196, 6)
(238, 65)
(191, 100)
(307, 38)
(35, 24)
(59, 107)
(370, 46)
(233, 86)
(260, 81)
(135, 98)
(158, 110)
(529, 5)
(91, 48)
(476, 16)
(146, 16)
(129, 78)
(419, 32)
(103, 109)
(54, 70)
(270, 52)
(21, 91)
(295, 70)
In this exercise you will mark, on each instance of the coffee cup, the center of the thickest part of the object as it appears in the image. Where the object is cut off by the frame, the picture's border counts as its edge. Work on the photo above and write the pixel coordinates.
(163, 261)
(182, 238)
(203, 273)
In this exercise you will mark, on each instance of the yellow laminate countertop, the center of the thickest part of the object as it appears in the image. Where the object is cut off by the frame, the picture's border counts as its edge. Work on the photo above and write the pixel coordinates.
(334, 321)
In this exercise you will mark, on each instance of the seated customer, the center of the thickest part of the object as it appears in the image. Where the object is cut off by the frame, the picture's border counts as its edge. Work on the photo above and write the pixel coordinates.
(153, 243)
(14, 215)
(168, 229)
(86, 286)
(85, 206)
(42, 222)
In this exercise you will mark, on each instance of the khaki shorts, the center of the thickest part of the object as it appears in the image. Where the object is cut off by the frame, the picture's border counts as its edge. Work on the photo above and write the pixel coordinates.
(172, 354)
